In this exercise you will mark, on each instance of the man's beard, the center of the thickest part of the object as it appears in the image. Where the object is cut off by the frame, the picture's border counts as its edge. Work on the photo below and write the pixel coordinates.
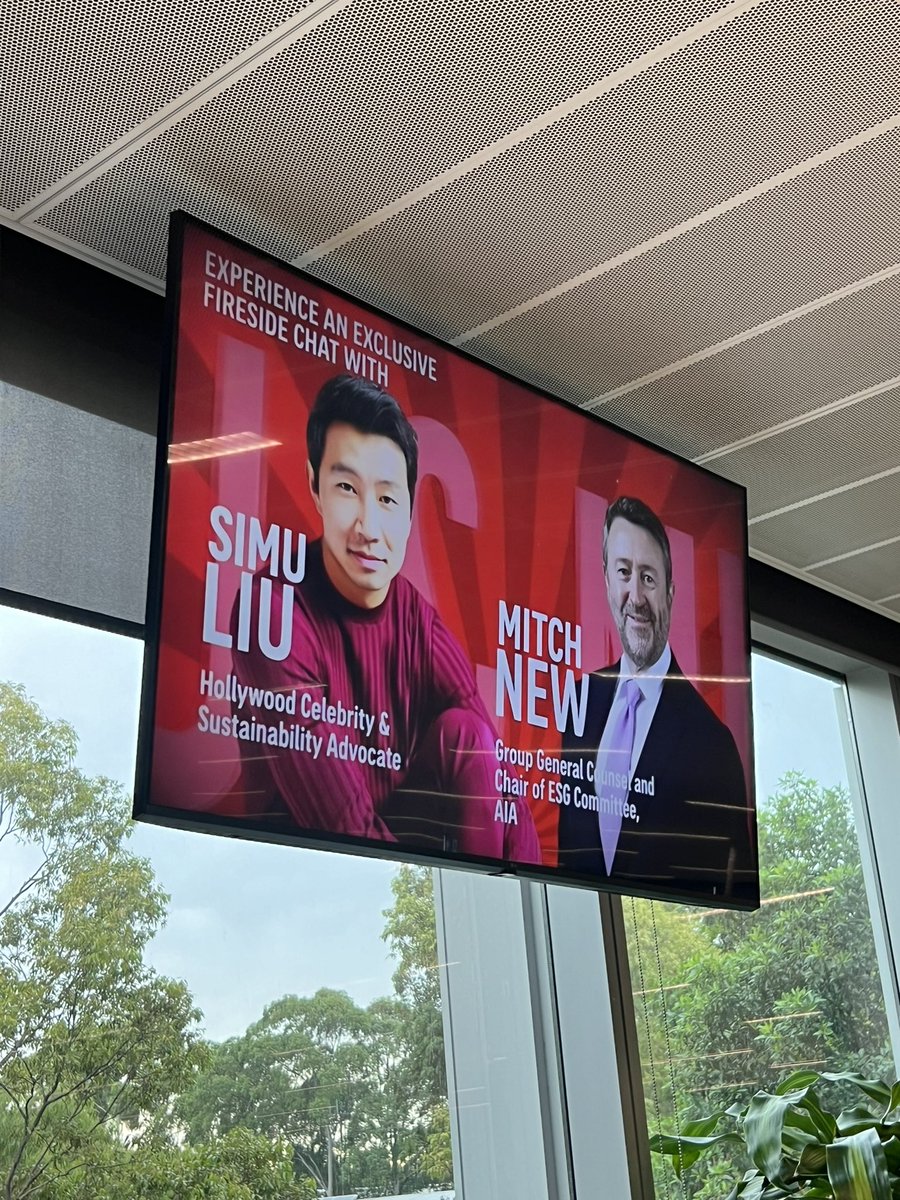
(644, 644)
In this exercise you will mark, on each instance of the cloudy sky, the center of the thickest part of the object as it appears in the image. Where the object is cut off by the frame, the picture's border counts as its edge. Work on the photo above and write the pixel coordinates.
(250, 922)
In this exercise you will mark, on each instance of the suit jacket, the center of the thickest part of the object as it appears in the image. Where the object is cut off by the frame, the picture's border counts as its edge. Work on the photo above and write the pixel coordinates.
(693, 833)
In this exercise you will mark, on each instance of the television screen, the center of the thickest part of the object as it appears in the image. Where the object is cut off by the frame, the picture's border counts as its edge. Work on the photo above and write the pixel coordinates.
(404, 605)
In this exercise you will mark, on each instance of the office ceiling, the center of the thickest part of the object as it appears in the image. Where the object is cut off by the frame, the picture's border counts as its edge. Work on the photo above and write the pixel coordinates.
(680, 216)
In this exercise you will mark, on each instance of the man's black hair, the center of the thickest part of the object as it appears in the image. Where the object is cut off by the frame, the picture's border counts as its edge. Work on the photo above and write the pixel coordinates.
(362, 404)
(638, 513)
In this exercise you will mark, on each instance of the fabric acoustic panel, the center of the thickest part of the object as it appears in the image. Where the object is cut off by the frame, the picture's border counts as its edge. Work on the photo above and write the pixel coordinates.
(76, 498)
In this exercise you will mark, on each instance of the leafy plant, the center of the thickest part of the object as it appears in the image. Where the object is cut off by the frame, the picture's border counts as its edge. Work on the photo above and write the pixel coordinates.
(90, 1035)
(798, 1148)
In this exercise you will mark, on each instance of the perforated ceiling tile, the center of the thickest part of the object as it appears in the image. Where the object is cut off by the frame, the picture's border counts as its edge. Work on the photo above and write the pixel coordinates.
(664, 147)
(832, 526)
(75, 76)
(821, 357)
(124, 215)
(871, 575)
(829, 452)
(375, 101)
(371, 108)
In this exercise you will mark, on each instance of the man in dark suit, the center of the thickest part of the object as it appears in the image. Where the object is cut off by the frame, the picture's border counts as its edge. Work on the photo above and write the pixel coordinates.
(664, 802)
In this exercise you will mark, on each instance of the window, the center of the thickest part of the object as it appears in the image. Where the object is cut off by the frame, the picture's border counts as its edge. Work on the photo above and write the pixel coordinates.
(728, 1002)
(290, 1022)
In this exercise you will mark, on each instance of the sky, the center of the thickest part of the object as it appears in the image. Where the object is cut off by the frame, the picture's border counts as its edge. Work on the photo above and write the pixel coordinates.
(795, 725)
(251, 922)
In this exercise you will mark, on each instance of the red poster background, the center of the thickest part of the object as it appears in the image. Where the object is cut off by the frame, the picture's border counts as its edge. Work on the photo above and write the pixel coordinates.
(510, 506)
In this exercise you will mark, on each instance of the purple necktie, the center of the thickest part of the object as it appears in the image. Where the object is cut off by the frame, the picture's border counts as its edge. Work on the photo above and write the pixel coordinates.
(613, 770)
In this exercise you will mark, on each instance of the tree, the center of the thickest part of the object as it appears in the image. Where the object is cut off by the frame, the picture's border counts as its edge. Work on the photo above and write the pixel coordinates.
(794, 984)
(330, 1078)
(411, 934)
(389, 1123)
(798, 981)
(294, 1075)
(359, 1093)
(89, 1036)
(240, 1166)
(662, 939)
(437, 1161)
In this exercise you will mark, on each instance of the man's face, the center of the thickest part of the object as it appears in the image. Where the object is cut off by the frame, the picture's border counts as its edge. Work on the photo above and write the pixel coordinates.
(639, 601)
(364, 502)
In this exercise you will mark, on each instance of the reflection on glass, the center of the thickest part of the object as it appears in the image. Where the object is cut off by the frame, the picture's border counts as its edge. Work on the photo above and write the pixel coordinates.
(727, 1003)
(179, 1009)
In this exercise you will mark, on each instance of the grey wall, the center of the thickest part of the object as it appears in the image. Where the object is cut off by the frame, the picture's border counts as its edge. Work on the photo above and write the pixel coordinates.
(80, 355)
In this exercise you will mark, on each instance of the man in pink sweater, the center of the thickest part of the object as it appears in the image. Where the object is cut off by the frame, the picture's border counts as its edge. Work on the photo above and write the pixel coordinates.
(397, 743)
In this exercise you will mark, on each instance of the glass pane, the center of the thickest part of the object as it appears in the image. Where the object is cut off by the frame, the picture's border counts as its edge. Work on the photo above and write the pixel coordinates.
(727, 1003)
(227, 1012)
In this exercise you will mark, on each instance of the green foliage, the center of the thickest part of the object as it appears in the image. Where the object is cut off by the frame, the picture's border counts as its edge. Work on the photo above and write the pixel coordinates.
(732, 1000)
(437, 1160)
(388, 1130)
(797, 1148)
(359, 1093)
(410, 932)
(800, 975)
(89, 1035)
(328, 1077)
(239, 1166)
(291, 1076)
(102, 1072)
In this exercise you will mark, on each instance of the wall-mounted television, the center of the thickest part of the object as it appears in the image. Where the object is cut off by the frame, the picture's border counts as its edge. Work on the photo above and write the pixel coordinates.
(404, 605)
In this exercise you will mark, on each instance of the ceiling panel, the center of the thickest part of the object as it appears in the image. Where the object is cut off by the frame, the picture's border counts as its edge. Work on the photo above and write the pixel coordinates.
(681, 215)
(622, 171)
(832, 526)
(871, 575)
(761, 261)
(816, 359)
(358, 111)
(828, 452)
(77, 76)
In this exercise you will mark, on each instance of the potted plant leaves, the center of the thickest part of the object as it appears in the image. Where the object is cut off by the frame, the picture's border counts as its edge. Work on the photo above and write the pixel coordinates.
(797, 1147)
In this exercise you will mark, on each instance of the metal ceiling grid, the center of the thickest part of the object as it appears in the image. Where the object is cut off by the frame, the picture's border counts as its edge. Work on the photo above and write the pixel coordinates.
(775, 254)
(668, 145)
(684, 217)
(871, 575)
(75, 76)
(362, 108)
(174, 171)
(819, 358)
(833, 526)
(855, 442)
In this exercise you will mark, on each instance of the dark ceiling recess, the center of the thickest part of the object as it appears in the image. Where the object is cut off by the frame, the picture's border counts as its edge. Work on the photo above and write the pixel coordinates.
(783, 602)
(77, 334)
